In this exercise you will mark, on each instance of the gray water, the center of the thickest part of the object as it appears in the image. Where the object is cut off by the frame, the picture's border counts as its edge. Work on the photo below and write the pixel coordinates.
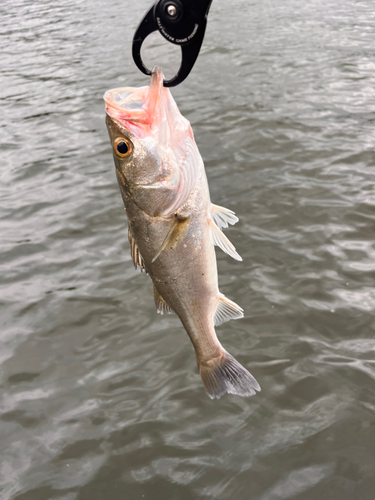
(100, 396)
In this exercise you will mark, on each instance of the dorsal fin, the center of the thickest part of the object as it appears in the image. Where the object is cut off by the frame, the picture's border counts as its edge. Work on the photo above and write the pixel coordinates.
(222, 216)
(220, 240)
(226, 310)
(161, 306)
(134, 251)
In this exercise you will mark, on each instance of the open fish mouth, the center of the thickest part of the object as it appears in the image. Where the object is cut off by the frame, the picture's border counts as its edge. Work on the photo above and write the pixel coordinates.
(127, 104)
(143, 105)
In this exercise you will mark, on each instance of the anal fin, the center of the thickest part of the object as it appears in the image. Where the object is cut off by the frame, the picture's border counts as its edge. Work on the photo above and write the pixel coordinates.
(226, 310)
(161, 306)
(135, 254)
(220, 240)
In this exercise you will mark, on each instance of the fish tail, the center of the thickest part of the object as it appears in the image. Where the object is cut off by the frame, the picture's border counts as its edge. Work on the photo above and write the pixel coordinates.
(223, 374)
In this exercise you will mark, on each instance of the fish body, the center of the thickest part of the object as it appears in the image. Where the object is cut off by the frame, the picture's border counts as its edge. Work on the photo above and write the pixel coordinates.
(173, 226)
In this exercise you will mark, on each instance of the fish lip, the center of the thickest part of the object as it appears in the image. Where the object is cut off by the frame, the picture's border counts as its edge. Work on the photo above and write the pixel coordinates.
(109, 96)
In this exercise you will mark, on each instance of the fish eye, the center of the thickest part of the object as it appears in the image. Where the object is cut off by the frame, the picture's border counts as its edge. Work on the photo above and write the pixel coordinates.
(122, 147)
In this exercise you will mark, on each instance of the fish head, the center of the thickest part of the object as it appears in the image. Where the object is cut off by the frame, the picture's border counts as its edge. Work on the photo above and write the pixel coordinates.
(156, 158)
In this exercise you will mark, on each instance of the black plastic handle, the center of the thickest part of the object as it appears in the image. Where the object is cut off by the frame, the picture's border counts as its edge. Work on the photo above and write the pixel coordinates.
(181, 22)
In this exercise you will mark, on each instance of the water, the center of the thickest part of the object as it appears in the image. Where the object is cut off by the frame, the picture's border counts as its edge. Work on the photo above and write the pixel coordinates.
(100, 396)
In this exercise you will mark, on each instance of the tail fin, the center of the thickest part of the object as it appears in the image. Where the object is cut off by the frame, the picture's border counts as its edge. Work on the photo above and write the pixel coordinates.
(225, 374)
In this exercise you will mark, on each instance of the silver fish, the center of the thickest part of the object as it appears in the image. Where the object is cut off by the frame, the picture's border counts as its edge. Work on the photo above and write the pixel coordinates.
(173, 226)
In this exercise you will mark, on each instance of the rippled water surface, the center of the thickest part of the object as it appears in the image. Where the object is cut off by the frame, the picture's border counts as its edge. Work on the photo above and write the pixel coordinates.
(100, 396)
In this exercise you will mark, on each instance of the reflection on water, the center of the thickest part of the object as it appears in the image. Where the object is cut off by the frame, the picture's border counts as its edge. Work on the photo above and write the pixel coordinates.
(100, 395)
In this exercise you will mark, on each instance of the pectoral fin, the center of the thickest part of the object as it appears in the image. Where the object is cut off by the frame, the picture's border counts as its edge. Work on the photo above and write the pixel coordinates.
(175, 233)
(161, 306)
(220, 240)
(134, 251)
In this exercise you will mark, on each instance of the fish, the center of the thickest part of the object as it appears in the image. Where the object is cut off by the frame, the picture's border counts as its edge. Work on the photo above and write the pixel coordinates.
(173, 227)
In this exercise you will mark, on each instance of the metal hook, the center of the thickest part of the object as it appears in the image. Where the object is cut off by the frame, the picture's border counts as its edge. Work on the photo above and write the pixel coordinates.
(181, 22)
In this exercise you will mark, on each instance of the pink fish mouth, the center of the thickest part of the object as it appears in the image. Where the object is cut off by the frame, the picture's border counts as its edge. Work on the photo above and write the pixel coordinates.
(126, 104)
(139, 108)
(149, 112)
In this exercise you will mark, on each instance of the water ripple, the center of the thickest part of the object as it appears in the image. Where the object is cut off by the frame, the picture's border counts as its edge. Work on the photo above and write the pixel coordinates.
(100, 395)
